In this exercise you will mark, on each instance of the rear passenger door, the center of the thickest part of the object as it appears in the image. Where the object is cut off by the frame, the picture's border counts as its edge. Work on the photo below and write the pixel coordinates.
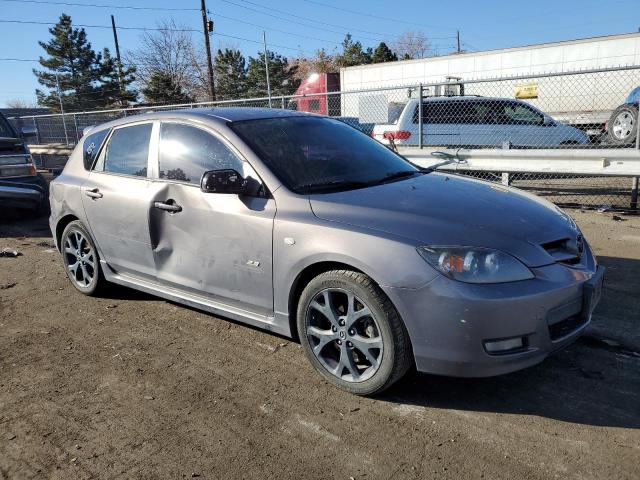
(216, 245)
(440, 125)
(117, 196)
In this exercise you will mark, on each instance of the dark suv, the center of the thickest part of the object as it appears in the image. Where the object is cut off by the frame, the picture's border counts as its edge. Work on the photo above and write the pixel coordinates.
(21, 187)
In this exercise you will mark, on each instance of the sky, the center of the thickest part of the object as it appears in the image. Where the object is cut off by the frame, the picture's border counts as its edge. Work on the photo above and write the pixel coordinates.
(295, 27)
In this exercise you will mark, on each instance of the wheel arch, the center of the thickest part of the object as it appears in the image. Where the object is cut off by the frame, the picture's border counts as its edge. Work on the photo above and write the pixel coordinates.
(61, 225)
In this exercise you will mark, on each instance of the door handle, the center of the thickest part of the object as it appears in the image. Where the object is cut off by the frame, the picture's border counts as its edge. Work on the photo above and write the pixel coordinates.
(92, 193)
(168, 207)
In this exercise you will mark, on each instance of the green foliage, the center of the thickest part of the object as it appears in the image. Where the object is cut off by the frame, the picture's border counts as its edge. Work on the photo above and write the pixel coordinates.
(85, 79)
(230, 74)
(115, 79)
(382, 54)
(353, 53)
(282, 76)
(161, 88)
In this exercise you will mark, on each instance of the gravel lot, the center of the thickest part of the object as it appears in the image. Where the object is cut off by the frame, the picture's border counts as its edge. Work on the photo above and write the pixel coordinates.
(130, 386)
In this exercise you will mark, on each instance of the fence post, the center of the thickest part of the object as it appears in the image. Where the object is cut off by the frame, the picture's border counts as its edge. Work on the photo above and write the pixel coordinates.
(75, 124)
(420, 125)
(505, 178)
(64, 126)
(282, 103)
(634, 180)
(35, 126)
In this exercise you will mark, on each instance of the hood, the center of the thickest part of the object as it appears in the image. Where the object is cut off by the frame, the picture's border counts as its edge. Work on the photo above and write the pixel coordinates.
(442, 209)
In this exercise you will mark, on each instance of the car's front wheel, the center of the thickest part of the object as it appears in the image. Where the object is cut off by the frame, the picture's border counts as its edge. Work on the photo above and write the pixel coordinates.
(80, 259)
(351, 332)
(623, 125)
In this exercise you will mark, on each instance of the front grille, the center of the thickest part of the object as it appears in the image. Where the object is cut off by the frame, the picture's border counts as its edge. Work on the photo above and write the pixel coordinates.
(567, 326)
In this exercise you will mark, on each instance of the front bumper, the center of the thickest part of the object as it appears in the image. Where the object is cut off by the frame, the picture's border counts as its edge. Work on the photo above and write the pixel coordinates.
(22, 192)
(449, 322)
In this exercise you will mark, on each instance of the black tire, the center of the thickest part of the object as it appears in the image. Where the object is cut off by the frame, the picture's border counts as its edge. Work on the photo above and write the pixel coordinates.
(97, 281)
(397, 355)
(623, 136)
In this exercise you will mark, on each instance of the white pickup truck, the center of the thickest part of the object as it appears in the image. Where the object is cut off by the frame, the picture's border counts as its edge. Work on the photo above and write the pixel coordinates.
(477, 122)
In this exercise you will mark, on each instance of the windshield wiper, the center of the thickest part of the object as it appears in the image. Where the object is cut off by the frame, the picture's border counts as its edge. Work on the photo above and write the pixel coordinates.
(398, 175)
(332, 185)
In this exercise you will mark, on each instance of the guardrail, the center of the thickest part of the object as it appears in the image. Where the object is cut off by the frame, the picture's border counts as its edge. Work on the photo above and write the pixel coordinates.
(606, 179)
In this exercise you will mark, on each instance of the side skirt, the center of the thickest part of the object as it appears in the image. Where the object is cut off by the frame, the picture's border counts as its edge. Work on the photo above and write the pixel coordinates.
(196, 301)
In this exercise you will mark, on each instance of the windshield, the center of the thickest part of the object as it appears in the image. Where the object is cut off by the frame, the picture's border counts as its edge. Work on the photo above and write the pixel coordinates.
(5, 129)
(314, 154)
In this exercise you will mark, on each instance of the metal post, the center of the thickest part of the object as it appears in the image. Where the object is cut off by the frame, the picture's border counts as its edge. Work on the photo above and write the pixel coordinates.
(75, 124)
(35, 126)
(64, 123)
(266, 65)
(420, 123)
(282, 105)
(505, 178)
(634, 193)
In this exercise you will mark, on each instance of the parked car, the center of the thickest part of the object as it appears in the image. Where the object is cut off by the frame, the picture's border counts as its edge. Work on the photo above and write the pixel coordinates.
(305, 226)
(477, 122)
(21, 186)
(622, 127)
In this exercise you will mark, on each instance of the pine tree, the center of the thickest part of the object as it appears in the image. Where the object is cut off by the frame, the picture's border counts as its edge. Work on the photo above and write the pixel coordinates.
(382, 54)
(353, 54)
(282, 76)
(231, 74)
(115, 80)
(76, 66)
(162, 89)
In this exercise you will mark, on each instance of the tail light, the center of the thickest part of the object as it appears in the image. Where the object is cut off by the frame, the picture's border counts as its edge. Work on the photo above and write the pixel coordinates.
(17, 166)
(399, 135)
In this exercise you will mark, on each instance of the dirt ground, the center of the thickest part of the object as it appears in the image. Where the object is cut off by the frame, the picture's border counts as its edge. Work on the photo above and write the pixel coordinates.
(131, 386)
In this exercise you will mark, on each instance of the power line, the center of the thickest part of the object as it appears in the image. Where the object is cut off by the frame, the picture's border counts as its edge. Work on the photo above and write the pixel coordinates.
(97, 5)
(32, 22)
(390, 19)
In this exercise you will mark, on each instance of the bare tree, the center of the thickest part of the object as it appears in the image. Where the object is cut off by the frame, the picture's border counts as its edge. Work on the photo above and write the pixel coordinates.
(411, 44)
(170, 51)
(321, 62)
(20, 103)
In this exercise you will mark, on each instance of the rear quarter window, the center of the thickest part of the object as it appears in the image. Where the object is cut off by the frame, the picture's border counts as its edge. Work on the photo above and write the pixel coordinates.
(91, 147)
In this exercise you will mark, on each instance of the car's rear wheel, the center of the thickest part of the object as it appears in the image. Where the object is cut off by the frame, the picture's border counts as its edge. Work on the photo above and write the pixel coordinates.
(623, 125)
(80, 259)
(351, 332)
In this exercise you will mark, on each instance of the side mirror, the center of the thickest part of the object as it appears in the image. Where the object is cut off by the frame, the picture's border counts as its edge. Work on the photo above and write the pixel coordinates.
(28, 133)
(548, 120)
(223, 181)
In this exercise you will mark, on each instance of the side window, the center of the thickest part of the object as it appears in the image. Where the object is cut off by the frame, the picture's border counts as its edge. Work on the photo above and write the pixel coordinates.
(91, 147)
(128, 150)
(187, 152)
(520, 114)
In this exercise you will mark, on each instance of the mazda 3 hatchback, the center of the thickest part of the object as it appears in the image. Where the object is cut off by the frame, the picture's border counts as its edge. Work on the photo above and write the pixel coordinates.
(306, 227)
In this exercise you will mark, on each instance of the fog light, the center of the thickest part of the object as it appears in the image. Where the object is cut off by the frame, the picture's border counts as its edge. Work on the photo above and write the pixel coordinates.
(501, 346)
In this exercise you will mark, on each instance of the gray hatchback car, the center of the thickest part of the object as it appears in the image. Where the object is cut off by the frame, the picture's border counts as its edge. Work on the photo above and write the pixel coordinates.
(304, 226)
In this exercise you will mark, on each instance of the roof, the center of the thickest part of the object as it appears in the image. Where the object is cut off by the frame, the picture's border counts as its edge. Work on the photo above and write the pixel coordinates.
(226, 114)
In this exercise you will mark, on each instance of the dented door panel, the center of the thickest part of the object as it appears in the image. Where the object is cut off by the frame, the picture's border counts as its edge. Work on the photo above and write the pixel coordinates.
(218, 245)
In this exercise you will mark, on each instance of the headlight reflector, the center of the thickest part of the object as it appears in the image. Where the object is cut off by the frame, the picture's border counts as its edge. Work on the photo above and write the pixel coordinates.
(475, 265)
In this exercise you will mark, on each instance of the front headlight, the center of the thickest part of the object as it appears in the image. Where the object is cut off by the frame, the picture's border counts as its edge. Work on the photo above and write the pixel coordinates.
(475, 265)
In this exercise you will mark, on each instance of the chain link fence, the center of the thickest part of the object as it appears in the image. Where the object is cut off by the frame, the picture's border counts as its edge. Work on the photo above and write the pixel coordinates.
(588, 109)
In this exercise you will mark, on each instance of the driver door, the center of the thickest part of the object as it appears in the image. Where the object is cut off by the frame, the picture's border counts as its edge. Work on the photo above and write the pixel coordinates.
(212, 244)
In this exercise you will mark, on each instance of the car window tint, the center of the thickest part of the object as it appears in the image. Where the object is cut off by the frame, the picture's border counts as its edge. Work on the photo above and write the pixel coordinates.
(128, 150)
(187, 152)
(438, 112)
(91, 147)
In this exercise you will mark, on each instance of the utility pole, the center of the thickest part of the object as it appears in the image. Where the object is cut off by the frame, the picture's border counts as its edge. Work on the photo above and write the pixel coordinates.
(266, 65)
(207, 27)
(115, 39)
(458, 41)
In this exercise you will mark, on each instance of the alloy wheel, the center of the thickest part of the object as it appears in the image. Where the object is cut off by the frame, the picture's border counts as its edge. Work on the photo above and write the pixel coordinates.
(79, 258)
(623, 125)
(344, 335)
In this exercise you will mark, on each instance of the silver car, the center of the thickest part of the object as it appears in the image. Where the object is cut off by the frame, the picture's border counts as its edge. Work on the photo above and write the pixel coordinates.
(306, 227)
